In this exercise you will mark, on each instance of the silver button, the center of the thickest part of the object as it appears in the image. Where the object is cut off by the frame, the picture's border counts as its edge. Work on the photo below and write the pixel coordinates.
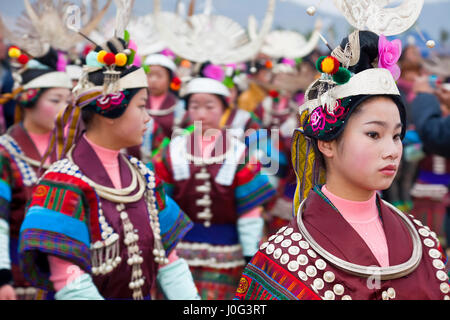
(311, 253)
(384, 295)
(329, 295)
(438, 264)
(288, 231)
(284, 258)
(318, 283)
(264, 245)
(277, 253)
(329, 276)
(391, 293)
(272, 237)
(346, 297)
(296, 236)
(338, 289)
(294, 250)
(302, 259)
(444, 287)
(320, 264)
(418, 222)
(434, 253)
(281, 229)
(424, 232)
(286, 243)
(304, 245)
(302, 276)
(446, 297)
(279, 238)
(293, 266)
(270, 248)
(441, 275)
(428, 242)
(311, 271)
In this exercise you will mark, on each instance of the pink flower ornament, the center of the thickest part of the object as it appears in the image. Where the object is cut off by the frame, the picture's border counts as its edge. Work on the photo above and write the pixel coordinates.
(388, 54)
(317, 119)
(214, 72)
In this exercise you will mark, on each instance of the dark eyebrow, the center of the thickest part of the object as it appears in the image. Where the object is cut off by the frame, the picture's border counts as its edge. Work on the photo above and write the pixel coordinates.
(384, 124)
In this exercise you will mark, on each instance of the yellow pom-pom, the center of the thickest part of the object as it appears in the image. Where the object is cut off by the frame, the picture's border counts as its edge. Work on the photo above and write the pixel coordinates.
(14, 53)
(327, 65)
(121, 59)
(101, 55)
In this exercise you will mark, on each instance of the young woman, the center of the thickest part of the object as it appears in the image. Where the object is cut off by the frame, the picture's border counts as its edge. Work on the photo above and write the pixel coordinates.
(44, 91)
(345, 242)
(163, 105)
(105, 227)
(212, 179)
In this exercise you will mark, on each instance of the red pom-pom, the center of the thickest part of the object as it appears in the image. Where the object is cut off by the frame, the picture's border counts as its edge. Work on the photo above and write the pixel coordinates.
(23, 59)
(109, 58)
(176, 81)
(274, 93)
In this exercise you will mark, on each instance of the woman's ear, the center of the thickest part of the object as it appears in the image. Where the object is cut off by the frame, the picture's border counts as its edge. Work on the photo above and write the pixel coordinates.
(327, 148)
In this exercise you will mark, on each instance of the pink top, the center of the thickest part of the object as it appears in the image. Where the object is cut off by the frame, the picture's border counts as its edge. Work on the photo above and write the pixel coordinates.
(110, 161)
(363, 217)
(41, 141)
(156, 102)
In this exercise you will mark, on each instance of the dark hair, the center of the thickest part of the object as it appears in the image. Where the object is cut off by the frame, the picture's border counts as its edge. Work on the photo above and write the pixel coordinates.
(49, 59)
(368, 42)
(88, 112)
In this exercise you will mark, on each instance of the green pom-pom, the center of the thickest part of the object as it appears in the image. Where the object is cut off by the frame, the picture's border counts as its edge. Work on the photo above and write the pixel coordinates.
(146, 68)
(298, 60)
(342, 76)
(126, 36)
(319, 62)
(228, 82)
(131, 57)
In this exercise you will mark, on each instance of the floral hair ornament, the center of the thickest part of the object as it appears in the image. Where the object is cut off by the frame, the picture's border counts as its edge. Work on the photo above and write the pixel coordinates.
(388, 54)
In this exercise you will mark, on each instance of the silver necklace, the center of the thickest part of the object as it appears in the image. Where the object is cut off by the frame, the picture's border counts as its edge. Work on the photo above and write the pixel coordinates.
(385, 273)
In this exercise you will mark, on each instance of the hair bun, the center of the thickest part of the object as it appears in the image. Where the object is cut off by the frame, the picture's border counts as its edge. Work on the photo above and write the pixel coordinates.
(368, 43)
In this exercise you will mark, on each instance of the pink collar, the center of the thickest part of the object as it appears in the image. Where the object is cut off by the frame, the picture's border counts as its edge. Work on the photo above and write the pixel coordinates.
(156, 102)
(354, 211)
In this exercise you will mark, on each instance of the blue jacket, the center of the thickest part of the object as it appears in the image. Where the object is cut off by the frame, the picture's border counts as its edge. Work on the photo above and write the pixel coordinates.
(432, 127)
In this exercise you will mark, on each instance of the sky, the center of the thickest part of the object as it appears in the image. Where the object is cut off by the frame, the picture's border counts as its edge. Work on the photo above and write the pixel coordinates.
(289, 14)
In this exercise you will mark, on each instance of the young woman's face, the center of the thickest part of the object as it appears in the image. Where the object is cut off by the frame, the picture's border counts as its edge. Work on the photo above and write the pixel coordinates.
(206, 108)
(368, 154)
(129, 128)
(158, 81)
(49, 104)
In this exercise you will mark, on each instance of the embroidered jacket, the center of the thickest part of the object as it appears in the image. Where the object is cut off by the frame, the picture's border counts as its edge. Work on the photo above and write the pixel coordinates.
(214, 194)
(17, 178)
(288, 267)
(64, 219)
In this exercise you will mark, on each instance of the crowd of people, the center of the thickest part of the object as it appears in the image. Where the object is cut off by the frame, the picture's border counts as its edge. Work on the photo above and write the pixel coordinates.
(159, 176)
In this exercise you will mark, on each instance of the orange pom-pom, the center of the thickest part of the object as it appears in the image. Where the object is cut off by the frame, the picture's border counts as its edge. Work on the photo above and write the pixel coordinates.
(14, 52)
(269, 64)
(121, 59)
(101, 55)
(330, 65)
(185, 64)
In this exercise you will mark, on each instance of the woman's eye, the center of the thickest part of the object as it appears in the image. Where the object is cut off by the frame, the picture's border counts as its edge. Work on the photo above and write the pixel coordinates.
(397, 136)
(373, 135)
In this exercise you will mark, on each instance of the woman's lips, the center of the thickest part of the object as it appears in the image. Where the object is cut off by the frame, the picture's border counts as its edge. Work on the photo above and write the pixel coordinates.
(389, 170)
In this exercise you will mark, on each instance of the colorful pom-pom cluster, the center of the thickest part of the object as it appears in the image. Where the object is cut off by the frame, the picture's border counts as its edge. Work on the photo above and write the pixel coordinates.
(108, 58)
(175, 85)
(331, 66)
(15, 53)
